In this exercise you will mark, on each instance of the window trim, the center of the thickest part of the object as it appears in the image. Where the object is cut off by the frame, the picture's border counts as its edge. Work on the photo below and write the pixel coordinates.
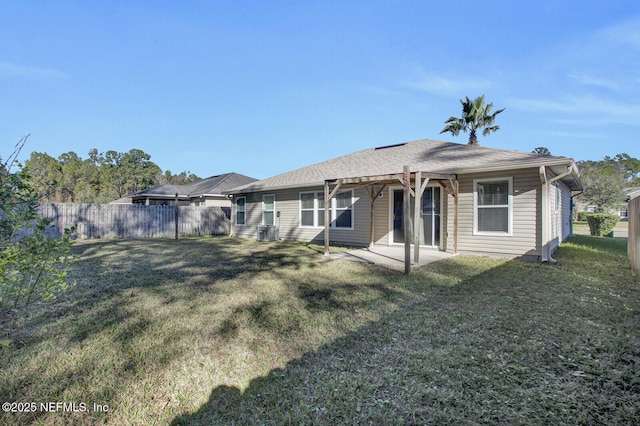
(509, 206)
(333, 209)
(264, 210)
(244, 210)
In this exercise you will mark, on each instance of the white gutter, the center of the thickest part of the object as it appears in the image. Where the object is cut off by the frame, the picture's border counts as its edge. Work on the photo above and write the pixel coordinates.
(523, 164)
(546, 212)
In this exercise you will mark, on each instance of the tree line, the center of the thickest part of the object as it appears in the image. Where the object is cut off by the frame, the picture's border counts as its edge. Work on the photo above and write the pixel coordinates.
(100, 178)
(605, 180)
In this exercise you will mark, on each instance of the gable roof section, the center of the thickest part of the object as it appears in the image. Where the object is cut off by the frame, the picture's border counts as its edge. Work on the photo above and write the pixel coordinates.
(632, 192)
(424, 155)
(211, 186)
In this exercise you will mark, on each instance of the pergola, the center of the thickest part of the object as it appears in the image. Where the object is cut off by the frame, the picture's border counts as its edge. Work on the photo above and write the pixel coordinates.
(376, 185)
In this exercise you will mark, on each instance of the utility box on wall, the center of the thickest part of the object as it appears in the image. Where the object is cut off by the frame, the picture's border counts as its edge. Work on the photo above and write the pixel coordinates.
(268, 233)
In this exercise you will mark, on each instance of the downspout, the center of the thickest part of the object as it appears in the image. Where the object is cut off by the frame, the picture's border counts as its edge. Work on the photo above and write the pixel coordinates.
(230, 198)
(546, 184)
(544, 213)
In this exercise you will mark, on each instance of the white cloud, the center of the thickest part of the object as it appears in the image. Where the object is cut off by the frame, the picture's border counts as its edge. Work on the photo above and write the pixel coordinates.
(584, 109)
(446, 85)
(589, 80)
(378, 90)
(585, 135)
(8, 69)
(626, 32)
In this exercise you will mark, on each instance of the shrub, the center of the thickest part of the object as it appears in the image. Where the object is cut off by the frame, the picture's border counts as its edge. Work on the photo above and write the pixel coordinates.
(32, 265)
(601, 224)
(582, 216)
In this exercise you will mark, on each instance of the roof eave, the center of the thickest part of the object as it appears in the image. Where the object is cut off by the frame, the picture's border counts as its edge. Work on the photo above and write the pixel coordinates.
(550, 162)
(554, 162)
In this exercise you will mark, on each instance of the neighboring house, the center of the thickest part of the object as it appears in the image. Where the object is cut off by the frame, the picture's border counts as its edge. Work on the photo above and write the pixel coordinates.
(631, 194)
(474, 200)
(623, 213)
(206, 192)
(123, 200)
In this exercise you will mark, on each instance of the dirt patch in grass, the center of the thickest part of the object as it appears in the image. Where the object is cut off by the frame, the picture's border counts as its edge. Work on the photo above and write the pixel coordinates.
(228, 331)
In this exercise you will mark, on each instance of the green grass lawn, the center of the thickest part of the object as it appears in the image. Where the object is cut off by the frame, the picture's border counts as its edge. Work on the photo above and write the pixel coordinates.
(228, 331)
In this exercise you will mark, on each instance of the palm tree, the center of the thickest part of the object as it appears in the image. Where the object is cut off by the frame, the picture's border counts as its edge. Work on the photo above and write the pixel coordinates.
(475, 115)
(541, 150)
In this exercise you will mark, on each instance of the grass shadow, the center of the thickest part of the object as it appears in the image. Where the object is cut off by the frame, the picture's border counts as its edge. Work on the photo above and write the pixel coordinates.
(504, 342)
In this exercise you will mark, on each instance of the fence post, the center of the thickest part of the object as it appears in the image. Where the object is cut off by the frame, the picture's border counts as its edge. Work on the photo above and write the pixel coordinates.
(633, 237)
(176, 215)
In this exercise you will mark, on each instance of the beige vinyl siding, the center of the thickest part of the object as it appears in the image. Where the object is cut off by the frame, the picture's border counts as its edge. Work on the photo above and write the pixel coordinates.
(288, 204)
(566, 211)
(382, 233)
(555, 216)
(560, 214)
(216, 202)
(525, 237)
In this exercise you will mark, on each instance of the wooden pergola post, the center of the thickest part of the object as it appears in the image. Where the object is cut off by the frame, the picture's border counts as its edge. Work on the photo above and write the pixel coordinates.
(176, 215)
(417, 212)
(328, 195)
(327, 200)
(456, 189)
(406, 182)
(416, 215)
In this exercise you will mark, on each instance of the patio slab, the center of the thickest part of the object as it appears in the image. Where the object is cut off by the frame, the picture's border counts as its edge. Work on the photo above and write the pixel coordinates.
(390, 255)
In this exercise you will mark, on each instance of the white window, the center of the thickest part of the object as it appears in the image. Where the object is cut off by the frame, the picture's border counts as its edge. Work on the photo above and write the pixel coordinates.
(240, 210)
(558, 197)
(268, 209)
(340, 210)
(312, 209)
(492, 202)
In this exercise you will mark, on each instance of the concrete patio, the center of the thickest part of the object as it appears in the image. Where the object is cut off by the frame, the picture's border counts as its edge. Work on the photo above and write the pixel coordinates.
(390, 255)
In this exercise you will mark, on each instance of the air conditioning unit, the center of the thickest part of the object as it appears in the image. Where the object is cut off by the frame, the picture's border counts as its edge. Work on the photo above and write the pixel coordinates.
(268, 233)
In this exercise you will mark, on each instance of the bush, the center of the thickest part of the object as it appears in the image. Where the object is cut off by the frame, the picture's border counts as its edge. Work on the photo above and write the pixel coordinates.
(582, 216)
(31, 264)
(602, 224)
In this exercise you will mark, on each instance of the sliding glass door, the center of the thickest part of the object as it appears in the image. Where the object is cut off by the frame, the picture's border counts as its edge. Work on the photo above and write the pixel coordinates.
(429, 233)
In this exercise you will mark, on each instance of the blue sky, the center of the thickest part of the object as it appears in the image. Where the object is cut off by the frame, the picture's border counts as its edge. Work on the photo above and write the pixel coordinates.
(264, 87)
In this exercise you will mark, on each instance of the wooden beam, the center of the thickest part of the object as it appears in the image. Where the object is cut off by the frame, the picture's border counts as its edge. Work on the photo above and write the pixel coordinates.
(417, 215)
(327, 199)
(446, 188)
(406, 212)
(416, 219)
(176, 215)
(424, 185)
(388, 178)
(456, 189)
(328, 195)
(335, 190)
(371, 179)
(372, 216)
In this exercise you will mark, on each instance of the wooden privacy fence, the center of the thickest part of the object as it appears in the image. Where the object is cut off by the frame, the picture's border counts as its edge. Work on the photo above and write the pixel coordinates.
(633, 242)
(133, 220)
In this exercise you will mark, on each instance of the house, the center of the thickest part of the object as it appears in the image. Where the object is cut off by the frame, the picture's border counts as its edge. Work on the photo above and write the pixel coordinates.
(623, 212)
(470, 199)
(631, 193)
(206, 192)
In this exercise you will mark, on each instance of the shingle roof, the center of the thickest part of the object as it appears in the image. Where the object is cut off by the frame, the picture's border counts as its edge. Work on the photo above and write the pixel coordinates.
(423, 155)
(632, 192)
(214, 185)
